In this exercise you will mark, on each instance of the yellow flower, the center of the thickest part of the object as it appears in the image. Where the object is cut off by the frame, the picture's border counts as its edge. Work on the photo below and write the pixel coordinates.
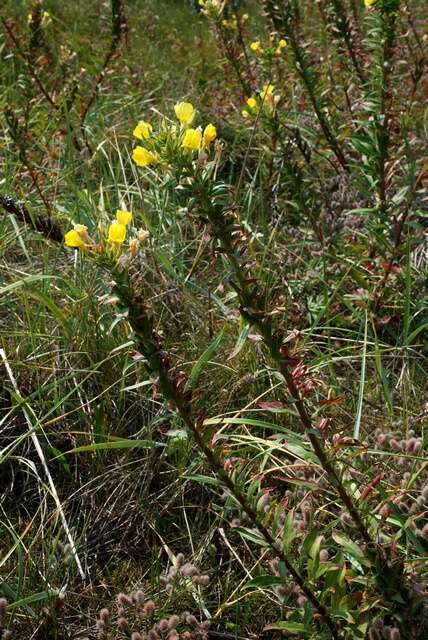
(29, 18)
(267, 91)
(210, 133)
(72, 239)
(252, 103)
(116, 232)
(82, 230)
(245, 113)
(46, 18)
(143, 157)
(245, 17)
(282, 44)
(143, 130)
(123, 217)
(192, 139)
(369, 3)
(255, 46)
(185, 112)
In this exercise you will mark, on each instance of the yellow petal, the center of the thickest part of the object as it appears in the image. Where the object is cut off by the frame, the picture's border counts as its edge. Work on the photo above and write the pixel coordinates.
(252, 103)
(267, 90)
(116, 232)
(185, 112)
(143, 157)
(73, 239)
(192, 139)
(123, 217)
(210, 133)
(143, 130)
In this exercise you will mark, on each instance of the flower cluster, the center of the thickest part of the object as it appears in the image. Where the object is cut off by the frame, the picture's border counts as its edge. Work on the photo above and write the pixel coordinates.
(266, 99)
(234, 22)
(113, 236)
(212, 8)
(162, 147)
(183, 570)
(273, 48)
(138, 617)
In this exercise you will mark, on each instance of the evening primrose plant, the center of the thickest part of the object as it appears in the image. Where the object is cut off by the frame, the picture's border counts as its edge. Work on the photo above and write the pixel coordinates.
(171, 141)
(107, 240)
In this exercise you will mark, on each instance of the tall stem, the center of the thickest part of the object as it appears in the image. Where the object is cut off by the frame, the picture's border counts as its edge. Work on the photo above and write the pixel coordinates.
(157, 362)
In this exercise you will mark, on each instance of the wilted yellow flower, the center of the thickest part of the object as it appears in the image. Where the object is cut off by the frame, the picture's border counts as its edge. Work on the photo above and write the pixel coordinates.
(143, 130)
(245, 17)
(255, 46)
(143, 157)
(369, 3)
(252, 103)
(134, 245)
(123, 217)
(245, 113)
(185, 112)
(210, 133)
(142, 234)
(46, 18)
(192, 139)
(72, 239)
(116, 232)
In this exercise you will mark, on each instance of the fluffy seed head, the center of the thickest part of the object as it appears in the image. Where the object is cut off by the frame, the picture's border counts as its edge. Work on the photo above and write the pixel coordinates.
(105, 616)
(188, 570)
(149, 607)
(173, 621)
(324, 555)
(3, 607)
(163, 624)
(122, 624)
(180, 559)
(123, 600)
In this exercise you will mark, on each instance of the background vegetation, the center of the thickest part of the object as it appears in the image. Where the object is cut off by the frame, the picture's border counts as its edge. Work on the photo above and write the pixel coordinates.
(219, 431)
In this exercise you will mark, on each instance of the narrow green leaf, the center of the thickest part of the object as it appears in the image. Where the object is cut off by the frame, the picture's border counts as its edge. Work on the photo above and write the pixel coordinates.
(116, 444)
(264, 581)
(202, 362)
(291, 627)
(362, 382)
